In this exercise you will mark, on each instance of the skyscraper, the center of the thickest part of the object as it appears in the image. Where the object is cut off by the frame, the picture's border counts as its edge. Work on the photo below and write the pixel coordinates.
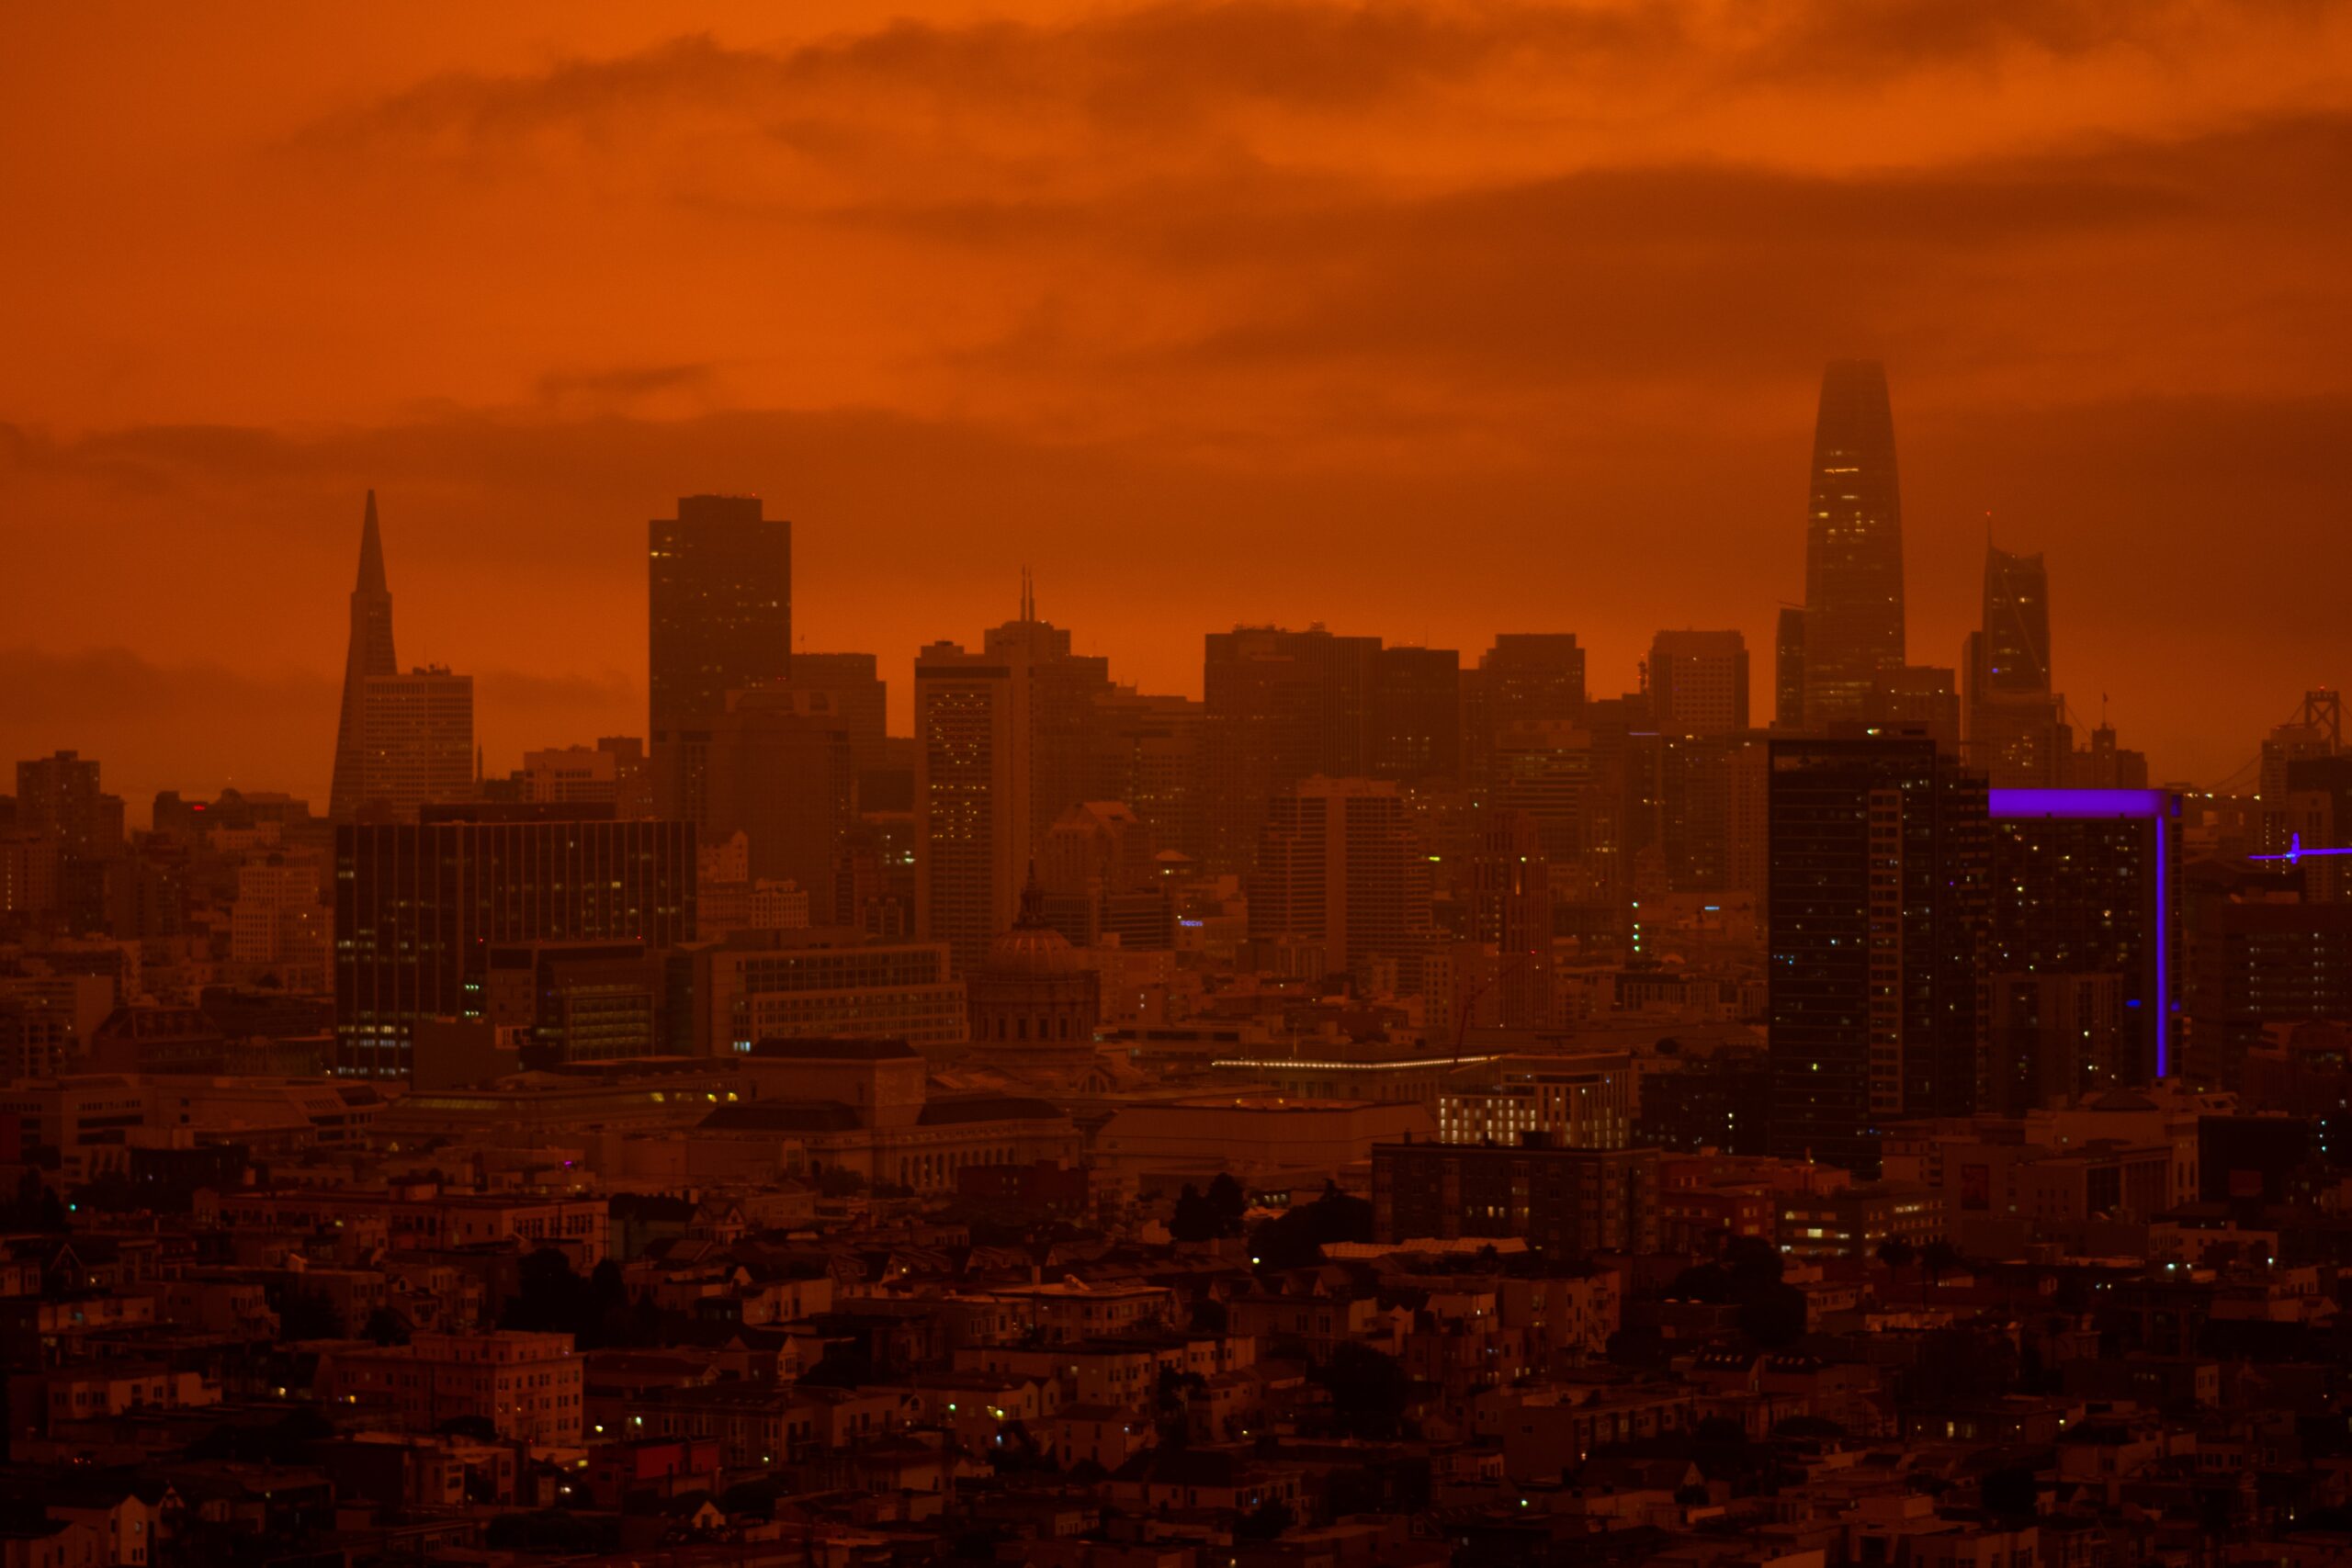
(1788, 671)
(369, 654)
(1338, 863)
(1880, 865)
(1278, 705)
(1511, 905)
(417, 741)
(972, 788)
(1063, 691)
(719, 605)
(2015, 728)
(1853, 556)
(1698, 682)
(419, 905)
(1416, 714)
(2085, 884)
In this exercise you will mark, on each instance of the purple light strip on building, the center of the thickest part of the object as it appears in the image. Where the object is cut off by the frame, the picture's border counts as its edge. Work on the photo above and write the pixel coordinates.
(2155, 806)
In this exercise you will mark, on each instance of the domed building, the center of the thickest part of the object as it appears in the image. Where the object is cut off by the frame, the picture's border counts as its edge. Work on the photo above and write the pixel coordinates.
(1035, 989)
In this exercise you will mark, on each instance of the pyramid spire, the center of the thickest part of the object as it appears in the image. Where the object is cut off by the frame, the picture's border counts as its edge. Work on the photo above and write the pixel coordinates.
(369, 654)
(371, 553)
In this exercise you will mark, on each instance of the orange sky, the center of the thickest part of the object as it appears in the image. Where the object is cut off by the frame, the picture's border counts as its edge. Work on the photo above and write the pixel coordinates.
(1424, 320)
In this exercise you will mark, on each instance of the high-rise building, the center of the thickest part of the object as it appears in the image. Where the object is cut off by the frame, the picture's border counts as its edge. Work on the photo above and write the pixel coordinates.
(780, 769)
(2085, 884)
(1526, 678)
(417, 735)
(2016, 623)
(1148, 753)
(59, 801)
(2316, 730)
(1854, 565)
(418, 907)
(1880, 863)
(1416, 714)
(972, 796)
(1511, 906)
(1923, 697)
(2015, 726)
(719, 602)
(1698, 682)
(1788, 671)
(369, 655)
(1065, 689)
(1278, 706)
(859, 696)
(1339, 863)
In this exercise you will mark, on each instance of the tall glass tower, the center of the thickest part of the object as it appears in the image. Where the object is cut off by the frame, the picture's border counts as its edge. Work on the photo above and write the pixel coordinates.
(1853, 547)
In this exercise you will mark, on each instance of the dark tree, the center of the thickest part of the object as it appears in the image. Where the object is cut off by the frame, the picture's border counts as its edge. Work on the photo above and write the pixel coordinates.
(2014, 1493)
(1773, 1316)
(1897, 1253)
(1228, 1203)
(1369, 1392)
(1264, 1522)
(1193, 1218)
(305, 1315)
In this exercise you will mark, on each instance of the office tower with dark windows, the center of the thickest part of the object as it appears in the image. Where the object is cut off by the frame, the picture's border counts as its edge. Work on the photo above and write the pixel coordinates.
(1277, 706)
(1416, 714)
(367, 656)
(59, 801)
(2316, 730)
(1788, 671)
(1853, 556)
(1148, 753)
(781, 769)
(973, 837)
(419, 905)
(2319, 817)
(1511, 906)
(1525, 678)
(1698, 682)
(1340, 864)
(417, 741)
(2016, 729)
(856, 695)
(1065, 688)
(719, 605)
(1922, 697)
(1880, 863)
(2085, 884)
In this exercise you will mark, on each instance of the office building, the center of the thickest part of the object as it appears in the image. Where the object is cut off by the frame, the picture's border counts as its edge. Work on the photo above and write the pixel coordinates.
(419, 905)
(1880, 858)
(720, 603)
(828, 983)
(2085, 883)
(417, 741)
(1565, 1203)
(2052, 1036)
(1278, 706)
(1788, 671)
(858, 694)
(367, 656)
(972, 796)
(1853, 567)
(1416, 714)
(1063, 691)
(1564, 1103)
(1921, 698)
(779, 768)
(611, 772)
(1698, 683)
(1510, 907)
(1340, 864)
(59, 800)
(2014, 728)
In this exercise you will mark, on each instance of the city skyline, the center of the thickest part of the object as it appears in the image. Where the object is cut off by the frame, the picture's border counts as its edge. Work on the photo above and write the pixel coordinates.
(1584, 341)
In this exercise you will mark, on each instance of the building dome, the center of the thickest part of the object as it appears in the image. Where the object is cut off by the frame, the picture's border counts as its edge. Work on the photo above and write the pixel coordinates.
(1036, 989)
